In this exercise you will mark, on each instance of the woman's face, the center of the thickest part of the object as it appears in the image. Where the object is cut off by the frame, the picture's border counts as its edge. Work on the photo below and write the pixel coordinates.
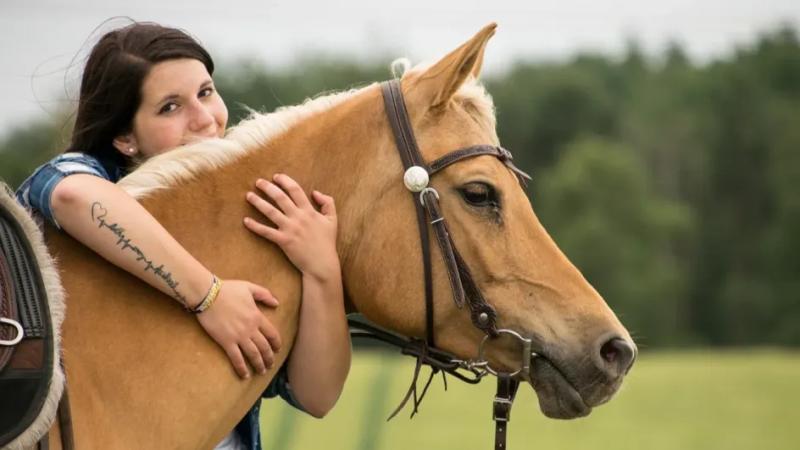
(180, 105)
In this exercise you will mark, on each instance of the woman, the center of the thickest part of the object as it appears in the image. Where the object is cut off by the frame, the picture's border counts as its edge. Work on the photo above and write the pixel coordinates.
(145, 90)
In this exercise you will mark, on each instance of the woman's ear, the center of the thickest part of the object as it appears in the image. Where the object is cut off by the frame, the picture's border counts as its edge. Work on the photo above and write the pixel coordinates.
(126, 144)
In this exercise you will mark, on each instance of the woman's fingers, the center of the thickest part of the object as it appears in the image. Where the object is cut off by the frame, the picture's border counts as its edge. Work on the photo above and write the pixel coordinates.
(266, 351)
(296, 192)
(274, 192)
(262, 230)
(263, 295)
(235, 355)
(271, 334)
(241, 328)
(253, 353)
(326, 203)
(264, 207)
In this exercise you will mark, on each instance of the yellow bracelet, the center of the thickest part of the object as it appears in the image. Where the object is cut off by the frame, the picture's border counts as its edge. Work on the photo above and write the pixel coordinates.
(208, 300)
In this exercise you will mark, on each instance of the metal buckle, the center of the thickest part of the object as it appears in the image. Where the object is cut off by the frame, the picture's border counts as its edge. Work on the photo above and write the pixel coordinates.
(504, 403)
(17, 326)
(422, 194)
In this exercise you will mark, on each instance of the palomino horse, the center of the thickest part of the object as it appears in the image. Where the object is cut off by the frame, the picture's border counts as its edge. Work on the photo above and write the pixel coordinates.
(143, 374)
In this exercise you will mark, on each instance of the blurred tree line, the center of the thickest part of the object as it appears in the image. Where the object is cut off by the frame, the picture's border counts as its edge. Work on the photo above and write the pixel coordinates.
(671, 185)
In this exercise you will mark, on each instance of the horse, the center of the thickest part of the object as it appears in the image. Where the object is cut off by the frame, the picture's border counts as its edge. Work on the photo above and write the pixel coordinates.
(143, 374)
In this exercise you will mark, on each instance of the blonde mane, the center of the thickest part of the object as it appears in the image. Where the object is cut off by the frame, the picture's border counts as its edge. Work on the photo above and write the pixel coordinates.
(184, 163)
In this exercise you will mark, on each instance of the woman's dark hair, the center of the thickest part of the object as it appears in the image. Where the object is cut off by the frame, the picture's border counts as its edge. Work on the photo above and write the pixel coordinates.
(111, 86)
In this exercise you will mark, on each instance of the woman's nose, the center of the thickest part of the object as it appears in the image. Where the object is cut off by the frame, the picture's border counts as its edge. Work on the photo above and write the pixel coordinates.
(202, 117)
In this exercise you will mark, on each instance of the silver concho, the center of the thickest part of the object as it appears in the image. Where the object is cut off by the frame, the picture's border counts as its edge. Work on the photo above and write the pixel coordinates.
(416, 179)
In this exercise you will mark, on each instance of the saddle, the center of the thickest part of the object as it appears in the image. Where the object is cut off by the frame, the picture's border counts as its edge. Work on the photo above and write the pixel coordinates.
(31, 312)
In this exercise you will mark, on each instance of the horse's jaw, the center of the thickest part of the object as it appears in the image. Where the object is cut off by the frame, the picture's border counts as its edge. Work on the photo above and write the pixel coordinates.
(566, 390)
(558, 398)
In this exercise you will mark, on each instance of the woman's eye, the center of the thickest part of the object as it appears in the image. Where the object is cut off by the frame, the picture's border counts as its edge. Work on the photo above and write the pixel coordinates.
(479, 194)
(206, 92)
(169, 107)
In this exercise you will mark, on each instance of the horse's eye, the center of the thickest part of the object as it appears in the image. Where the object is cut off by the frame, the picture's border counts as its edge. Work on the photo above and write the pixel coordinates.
(479, 194)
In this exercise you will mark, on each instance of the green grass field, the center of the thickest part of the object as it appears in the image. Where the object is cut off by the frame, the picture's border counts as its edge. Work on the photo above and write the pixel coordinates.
(744, 399)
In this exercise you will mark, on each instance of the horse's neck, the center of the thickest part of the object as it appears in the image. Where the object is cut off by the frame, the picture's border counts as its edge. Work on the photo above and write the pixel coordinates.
(337, 152)
(334, 153)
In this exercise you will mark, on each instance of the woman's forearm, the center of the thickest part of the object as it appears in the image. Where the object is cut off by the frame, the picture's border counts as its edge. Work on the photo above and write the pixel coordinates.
(106, 219)
(320, 359)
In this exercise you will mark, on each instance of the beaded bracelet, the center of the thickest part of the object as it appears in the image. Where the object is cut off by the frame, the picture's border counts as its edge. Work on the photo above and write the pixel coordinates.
(208, 300)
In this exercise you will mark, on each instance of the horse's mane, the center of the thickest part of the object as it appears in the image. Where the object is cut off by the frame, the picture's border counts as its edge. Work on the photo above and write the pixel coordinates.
(254, 132)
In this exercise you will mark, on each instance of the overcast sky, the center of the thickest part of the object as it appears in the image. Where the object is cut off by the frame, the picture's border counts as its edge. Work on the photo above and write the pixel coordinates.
(39, 38)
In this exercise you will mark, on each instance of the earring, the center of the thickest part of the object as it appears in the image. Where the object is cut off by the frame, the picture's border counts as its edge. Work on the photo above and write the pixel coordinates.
(130, 151)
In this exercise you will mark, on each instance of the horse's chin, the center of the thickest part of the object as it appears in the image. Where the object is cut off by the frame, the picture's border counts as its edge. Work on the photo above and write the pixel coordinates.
(558, 399)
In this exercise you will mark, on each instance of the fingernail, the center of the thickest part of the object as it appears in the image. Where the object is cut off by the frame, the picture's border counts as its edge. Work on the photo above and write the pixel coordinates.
(263, 371)
(247, 376)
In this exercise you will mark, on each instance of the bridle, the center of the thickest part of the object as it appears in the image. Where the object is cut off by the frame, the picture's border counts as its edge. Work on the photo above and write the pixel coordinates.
(464, 289)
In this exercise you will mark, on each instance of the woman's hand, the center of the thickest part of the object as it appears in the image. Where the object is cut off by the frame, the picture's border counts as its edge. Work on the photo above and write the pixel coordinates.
(307, 236)
(238, 326)
(320, 358)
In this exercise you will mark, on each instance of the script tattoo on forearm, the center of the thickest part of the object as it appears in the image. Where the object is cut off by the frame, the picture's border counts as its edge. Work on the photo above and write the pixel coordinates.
(99, 213)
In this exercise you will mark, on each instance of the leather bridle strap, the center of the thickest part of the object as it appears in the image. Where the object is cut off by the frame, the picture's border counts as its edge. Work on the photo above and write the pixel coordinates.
(501, 153)
(463, 287)
(409, 154)
(501, 408)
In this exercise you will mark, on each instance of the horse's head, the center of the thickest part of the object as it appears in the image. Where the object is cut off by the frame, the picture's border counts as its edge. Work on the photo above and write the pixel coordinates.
(584, 351)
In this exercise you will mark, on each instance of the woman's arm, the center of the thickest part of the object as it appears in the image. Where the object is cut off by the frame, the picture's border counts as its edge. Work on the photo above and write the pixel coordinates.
(106, 219)
(320, 359)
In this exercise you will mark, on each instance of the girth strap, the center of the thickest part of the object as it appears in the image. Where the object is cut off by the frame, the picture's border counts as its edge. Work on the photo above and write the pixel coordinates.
(65, 422)
(64, 426)
(44, 443)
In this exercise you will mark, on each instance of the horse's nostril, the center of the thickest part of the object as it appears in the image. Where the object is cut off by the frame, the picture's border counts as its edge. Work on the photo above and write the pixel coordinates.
(609, 352)
(618, 355)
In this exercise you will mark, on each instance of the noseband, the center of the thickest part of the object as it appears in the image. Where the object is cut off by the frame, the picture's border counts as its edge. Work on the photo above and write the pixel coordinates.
(464, 289)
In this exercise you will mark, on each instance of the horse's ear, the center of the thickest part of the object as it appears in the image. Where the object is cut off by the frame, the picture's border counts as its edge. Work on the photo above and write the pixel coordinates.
(439, 82)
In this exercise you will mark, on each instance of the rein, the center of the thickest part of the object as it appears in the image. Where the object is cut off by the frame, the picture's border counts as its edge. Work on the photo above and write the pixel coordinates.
(464, 289)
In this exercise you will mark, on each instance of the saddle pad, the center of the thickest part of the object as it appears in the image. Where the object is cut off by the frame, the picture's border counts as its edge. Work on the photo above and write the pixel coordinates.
(31, 380)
